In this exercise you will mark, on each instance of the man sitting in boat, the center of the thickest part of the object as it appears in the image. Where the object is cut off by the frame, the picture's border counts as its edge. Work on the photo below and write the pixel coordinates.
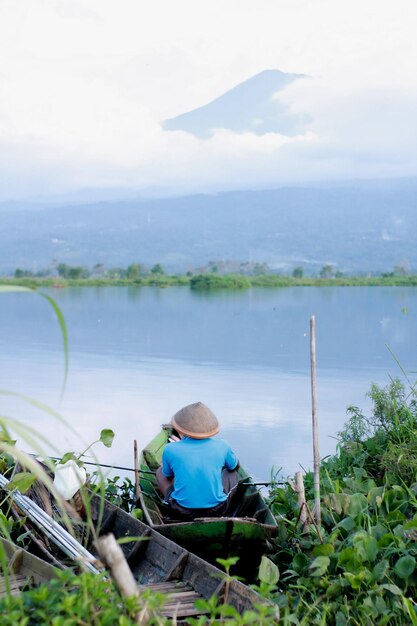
(197, 471)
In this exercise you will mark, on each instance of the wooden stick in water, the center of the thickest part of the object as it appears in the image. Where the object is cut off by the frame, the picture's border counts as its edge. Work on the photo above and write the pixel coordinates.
(317, 508)
(301, 499)
(135, 454)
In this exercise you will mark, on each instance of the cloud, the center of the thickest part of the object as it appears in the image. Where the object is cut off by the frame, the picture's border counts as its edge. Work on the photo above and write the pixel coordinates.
(84, 86)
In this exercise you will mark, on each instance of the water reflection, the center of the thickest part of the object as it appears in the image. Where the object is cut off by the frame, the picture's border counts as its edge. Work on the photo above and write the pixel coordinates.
(139, 354)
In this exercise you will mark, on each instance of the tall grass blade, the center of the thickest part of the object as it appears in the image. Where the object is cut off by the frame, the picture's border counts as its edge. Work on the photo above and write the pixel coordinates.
(38, 405)
(14, 288)
(64, 333)
(61, 321)
(412, 385)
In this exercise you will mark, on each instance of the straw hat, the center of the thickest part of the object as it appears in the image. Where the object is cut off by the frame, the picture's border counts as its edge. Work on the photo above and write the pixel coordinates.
(196, 421)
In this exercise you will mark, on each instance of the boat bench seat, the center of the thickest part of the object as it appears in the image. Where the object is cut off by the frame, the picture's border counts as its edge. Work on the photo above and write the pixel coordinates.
(179, 598)
(16, 584)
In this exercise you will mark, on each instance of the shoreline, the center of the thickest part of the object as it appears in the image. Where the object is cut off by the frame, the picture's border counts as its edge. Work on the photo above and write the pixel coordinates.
(207, 282)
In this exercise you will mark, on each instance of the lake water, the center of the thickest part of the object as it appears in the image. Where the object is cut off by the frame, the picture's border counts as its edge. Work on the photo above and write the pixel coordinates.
(137, 355)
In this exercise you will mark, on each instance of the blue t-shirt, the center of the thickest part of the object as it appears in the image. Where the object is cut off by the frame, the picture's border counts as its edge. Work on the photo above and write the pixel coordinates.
(196, 465)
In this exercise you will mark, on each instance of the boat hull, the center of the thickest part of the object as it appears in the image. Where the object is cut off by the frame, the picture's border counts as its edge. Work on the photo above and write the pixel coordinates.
(24, 569)
(157, 563)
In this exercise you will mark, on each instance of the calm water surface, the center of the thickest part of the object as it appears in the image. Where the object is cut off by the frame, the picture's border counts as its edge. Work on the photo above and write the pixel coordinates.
(139, 354)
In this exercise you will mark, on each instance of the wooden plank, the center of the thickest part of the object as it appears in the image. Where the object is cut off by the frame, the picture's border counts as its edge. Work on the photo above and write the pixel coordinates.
(177, 568)
(167, 586)
(161, 558)
(108, 523)
(26, 564)
(136, 553)
(202, 577)
(16, 583)
(183, 611)
(182, 595)
(16, 561)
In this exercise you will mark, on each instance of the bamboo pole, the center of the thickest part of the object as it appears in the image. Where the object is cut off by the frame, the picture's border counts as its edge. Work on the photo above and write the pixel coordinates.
(317, 508)
(112, 556)
(135, 454)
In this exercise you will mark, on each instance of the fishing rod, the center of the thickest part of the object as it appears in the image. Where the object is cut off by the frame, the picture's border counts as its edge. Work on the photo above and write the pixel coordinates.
(119, 467)
(260, 484)
(153, 473)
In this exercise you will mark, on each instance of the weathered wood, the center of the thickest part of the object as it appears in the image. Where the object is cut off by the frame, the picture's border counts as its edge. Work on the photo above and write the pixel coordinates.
(139, 549)
(183, 611)
(182, 595)
(25, 564)
(167, 587)
(13, 582)
(163, 556)
(111, 554)
(108, 523)
(16, 562)
(161, 559)
(24, 570)
(220, 589)
(301, 497)
(317, 507)
(178, 567)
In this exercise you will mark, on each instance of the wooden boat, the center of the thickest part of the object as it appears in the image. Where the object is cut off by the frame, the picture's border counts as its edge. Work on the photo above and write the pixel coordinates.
(24, 570)
(162, 565)
(245, 531)
(157, 563)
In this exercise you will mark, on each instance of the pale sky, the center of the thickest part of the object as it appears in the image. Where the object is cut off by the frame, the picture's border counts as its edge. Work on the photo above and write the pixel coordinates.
(85, 84)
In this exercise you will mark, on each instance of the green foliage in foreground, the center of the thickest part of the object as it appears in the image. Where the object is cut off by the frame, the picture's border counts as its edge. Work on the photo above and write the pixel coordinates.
(71, 600)
(362, 568)
(91, 600)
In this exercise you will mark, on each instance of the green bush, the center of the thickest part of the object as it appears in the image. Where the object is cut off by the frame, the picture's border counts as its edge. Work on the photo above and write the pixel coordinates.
(82, 600)
(360, 566)
(214, 281)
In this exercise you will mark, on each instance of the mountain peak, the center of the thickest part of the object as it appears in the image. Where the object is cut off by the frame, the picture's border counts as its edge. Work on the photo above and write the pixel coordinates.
(246, 107)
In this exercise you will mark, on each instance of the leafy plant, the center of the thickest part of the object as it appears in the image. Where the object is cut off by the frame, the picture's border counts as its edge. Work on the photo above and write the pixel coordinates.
(106, 438)
(120, 492)
(71, 600)
(362, 568)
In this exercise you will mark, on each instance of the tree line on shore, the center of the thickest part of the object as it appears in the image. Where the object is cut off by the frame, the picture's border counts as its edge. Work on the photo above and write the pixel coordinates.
(222, 269)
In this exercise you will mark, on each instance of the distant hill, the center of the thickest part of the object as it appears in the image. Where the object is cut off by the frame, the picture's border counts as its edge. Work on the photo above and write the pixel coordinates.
(248, 107)
(360, 227)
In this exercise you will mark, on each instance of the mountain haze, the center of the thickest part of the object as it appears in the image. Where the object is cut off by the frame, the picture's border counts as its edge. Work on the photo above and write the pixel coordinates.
(361, 227)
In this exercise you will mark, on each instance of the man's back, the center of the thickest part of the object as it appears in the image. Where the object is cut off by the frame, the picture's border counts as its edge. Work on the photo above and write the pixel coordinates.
(196, 465)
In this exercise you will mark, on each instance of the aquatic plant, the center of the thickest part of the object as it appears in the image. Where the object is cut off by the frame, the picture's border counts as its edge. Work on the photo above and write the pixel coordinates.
(362, 567)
